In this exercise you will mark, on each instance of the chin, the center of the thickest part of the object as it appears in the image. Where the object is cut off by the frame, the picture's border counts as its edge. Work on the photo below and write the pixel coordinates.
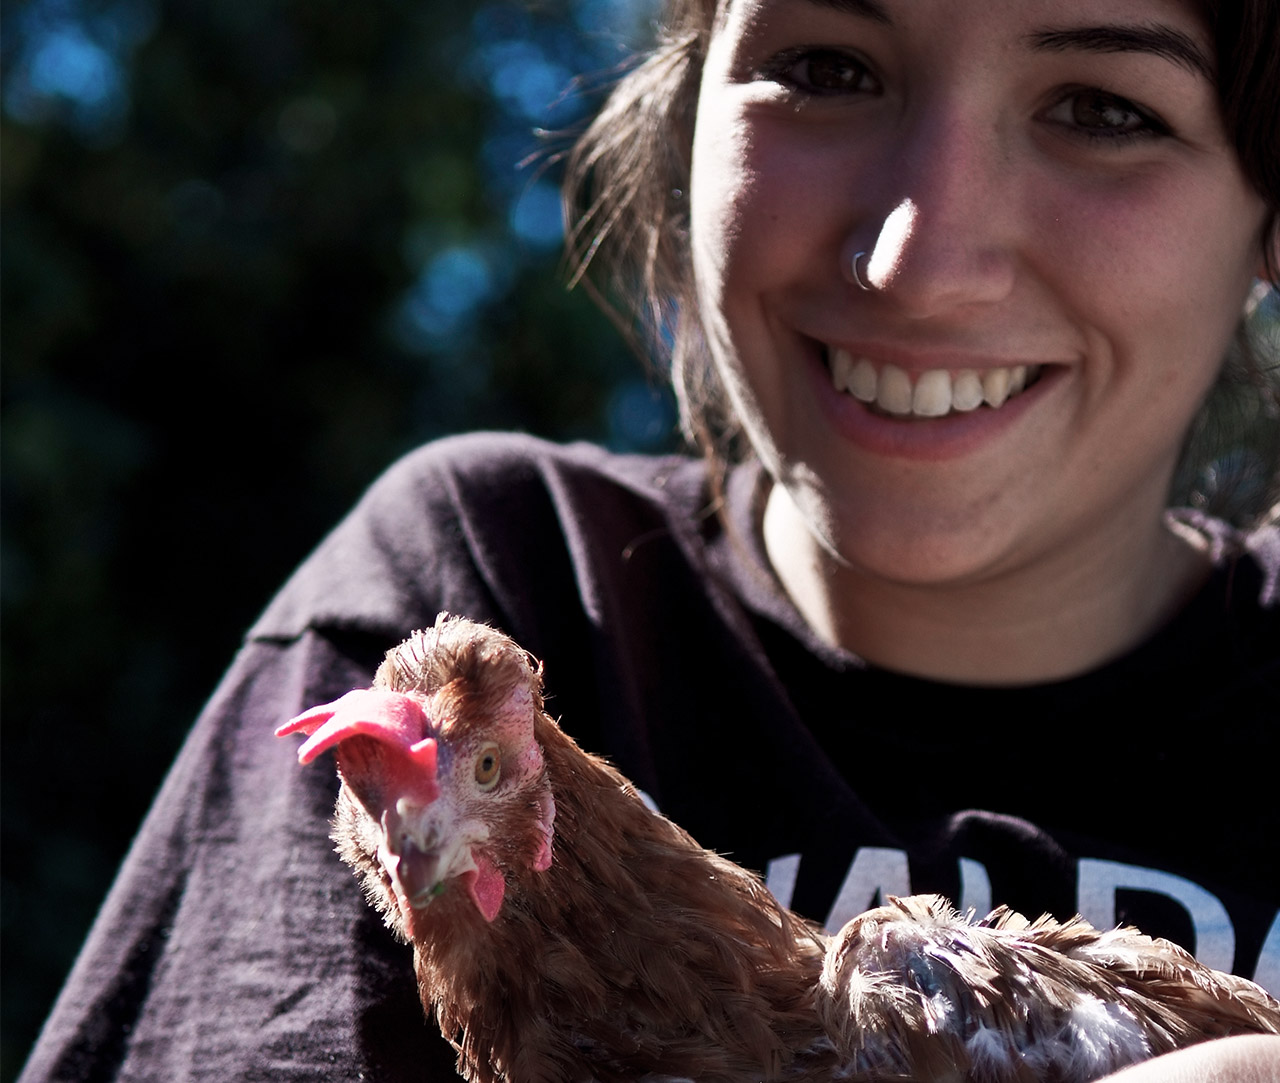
(935, 547)
(917, 562)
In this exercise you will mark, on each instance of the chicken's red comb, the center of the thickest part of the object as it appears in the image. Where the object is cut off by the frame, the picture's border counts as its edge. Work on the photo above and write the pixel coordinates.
(388, 716)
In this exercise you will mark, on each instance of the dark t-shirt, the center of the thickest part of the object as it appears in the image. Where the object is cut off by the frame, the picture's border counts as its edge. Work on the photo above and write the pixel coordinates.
(235, 946)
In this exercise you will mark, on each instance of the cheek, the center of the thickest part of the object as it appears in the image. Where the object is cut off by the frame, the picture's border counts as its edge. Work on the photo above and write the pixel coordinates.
(766, 229)
(759, 224)
(766, 204)
(722, 204)
(721, 210)
(719, 194)
(1154, 273)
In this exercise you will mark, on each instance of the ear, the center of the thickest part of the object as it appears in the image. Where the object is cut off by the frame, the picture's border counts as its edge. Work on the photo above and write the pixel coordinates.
(546, 818)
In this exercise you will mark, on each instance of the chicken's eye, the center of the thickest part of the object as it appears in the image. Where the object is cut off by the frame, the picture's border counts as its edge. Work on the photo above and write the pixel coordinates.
(488, 767)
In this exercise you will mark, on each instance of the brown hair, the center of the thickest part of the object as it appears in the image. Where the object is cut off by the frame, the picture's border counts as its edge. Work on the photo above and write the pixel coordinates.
(626, 199)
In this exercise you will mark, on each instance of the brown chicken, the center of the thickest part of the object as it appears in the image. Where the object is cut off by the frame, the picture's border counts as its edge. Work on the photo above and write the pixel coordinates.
(562, 931)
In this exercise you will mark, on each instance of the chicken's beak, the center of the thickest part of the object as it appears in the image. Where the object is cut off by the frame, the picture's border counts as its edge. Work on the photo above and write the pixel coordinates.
(420, 857)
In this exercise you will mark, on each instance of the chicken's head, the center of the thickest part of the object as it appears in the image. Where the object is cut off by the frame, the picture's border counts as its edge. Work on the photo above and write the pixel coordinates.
(444, 785)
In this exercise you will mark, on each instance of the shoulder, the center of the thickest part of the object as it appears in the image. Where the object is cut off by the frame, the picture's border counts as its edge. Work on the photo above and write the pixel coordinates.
(466, 468)
(458, 522)
(505, 489)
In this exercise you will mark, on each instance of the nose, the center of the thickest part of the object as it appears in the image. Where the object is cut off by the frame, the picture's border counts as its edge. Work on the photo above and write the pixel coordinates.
(948, 239)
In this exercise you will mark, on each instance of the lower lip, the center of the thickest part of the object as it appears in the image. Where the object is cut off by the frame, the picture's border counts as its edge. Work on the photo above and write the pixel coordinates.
(929, 439)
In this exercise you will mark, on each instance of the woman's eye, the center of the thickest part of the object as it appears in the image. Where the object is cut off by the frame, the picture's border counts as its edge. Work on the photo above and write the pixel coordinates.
(1096, 114)
(820, 71)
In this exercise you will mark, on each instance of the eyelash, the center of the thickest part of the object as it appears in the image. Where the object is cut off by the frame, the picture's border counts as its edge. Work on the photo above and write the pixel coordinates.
(1149, 127)
(782, 69)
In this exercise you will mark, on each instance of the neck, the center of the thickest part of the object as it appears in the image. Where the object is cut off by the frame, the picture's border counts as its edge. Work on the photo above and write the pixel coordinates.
(637, 953)
(1059, 615)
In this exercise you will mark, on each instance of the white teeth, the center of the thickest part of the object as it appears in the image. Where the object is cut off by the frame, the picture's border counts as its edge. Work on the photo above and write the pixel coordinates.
(932, 396)
(862, 380)
(893, 392)
(935, 393)
(966, 390)
(995, 386)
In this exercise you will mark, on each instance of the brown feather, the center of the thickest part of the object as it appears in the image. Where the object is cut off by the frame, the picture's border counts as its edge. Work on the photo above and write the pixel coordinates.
(639, 955)
(629, 978)
(1014, 999)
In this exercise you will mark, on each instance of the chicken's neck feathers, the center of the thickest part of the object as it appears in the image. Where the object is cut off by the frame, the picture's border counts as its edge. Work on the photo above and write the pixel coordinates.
(711, 973)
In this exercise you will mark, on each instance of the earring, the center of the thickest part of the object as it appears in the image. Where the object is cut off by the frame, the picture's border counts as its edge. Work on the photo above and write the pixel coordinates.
(862, 284)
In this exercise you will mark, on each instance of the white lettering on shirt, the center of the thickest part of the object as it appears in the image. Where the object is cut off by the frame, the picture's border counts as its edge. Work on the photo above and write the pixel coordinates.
(975, 887)
(780, 877)
(875, 873)
(1267, 972)
(1099, 881)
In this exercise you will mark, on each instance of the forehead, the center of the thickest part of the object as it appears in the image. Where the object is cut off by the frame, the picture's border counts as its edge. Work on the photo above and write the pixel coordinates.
(985, 35)
(1189, 19)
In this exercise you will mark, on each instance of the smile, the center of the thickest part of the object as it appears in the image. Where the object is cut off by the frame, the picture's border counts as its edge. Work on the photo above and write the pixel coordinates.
(933, 393)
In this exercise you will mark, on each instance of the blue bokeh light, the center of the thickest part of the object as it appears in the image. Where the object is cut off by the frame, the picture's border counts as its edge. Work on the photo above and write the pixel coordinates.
(536, 216)
(521, 76)
(442, 309)
(71, 65)
(641, 416)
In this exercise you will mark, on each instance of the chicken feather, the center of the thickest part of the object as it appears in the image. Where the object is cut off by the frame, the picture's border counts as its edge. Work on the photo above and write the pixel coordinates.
(562, 930)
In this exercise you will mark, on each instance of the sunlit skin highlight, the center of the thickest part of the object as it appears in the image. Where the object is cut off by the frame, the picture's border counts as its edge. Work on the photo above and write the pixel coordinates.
(1035, 184)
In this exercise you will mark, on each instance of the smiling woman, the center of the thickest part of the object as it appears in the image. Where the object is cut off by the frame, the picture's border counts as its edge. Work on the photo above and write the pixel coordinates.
(948, 285)
(1024, 210)
(1057, 234)
(639, 175)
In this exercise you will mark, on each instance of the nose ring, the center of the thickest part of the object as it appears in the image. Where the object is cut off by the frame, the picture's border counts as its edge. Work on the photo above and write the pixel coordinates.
(857, 277)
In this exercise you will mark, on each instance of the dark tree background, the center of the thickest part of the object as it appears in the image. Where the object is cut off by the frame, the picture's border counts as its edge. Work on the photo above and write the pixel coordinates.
(253, 250)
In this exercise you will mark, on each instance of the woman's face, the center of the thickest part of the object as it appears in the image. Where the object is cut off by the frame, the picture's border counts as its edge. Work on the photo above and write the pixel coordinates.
(1044, 192)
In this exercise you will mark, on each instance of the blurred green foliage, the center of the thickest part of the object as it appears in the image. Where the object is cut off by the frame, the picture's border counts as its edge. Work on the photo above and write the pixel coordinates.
(253, 250)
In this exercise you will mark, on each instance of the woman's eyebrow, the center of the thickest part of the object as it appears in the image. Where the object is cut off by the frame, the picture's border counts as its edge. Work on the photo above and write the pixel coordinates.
(1162, 41)
(866, 9)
